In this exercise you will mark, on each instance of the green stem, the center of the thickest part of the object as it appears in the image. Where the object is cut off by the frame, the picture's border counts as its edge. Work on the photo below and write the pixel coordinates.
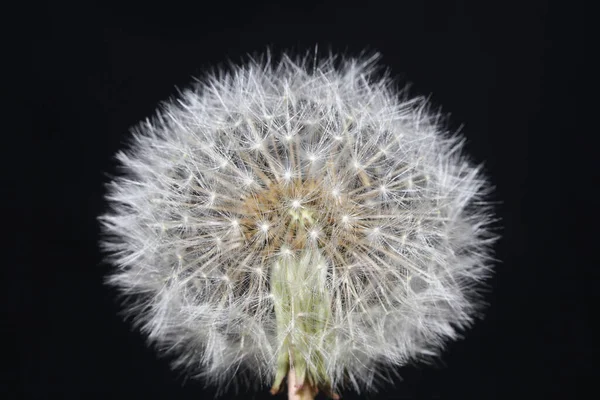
(302, 310)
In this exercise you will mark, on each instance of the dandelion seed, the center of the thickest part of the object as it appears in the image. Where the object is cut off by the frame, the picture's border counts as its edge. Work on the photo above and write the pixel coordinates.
(298, 222)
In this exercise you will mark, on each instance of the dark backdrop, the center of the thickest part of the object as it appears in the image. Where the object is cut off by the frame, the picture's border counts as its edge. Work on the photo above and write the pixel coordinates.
(511, 73)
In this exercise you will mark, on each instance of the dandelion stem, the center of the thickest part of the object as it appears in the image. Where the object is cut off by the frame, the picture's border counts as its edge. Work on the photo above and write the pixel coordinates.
(302, 391)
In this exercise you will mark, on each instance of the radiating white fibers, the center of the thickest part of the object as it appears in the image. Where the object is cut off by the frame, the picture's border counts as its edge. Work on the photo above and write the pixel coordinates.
(298, 213)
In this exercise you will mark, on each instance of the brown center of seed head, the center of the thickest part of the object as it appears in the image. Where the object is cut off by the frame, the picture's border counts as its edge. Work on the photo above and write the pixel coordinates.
(292, 215)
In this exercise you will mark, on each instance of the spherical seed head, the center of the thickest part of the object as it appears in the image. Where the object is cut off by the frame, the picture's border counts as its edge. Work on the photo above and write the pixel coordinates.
(290, 184)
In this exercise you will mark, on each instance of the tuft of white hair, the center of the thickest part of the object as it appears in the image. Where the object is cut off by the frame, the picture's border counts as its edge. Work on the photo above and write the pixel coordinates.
(299, 214)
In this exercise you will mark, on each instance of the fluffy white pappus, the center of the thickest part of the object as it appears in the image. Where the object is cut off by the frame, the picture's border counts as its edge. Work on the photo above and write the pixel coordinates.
(298, 214)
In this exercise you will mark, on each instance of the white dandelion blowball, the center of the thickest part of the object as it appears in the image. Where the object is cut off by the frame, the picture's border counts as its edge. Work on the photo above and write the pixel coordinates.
(298, 221)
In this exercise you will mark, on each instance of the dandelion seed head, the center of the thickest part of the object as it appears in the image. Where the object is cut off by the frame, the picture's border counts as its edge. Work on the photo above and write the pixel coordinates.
(293, 174)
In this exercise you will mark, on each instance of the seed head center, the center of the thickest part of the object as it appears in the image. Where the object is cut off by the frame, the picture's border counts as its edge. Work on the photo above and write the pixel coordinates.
(288, 215)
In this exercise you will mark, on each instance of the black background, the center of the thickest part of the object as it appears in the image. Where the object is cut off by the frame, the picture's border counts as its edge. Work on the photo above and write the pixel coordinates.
(511, 73)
